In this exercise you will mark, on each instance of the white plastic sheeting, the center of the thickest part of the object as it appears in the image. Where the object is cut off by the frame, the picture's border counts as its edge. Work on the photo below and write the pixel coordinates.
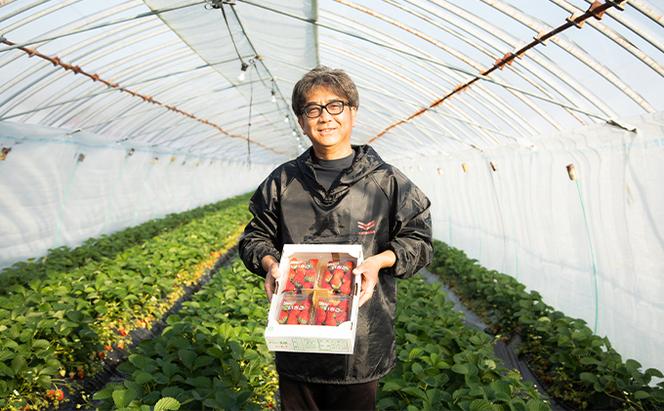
(50, 198)
(592, 247)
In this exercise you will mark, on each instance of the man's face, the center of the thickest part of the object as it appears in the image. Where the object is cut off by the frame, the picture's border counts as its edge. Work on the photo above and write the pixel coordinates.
(328, 132)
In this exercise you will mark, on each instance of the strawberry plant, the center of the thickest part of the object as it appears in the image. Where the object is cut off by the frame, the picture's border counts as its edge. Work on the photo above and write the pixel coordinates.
(211, 355)
(577, 367)
(444, 364)
(56, 324)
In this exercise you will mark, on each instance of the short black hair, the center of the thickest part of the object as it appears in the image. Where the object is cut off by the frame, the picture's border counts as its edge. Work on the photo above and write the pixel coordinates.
(321, 76)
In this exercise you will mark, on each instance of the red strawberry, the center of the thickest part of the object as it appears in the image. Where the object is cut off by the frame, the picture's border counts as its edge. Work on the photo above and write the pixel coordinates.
(337, 278)
(283, 317)
(303, 318)
(346, 286)
(298, 279)
(320, 316)
(289, 286)
(292, 317)
(329, 320)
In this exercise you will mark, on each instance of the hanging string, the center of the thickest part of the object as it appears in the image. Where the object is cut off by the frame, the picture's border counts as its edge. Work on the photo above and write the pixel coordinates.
(251, 104)
(230, 32)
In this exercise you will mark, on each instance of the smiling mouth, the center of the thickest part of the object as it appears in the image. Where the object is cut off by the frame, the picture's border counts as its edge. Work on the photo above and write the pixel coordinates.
(326, 130)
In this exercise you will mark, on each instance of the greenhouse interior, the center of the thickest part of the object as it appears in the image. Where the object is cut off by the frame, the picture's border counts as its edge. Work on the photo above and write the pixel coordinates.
(133, 134)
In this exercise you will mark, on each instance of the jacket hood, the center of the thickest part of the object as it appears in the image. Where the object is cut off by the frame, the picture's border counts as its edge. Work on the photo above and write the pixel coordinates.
(365, 162)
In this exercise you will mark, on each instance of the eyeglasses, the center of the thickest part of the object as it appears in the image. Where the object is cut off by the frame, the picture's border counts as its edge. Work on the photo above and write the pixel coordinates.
(333, 107)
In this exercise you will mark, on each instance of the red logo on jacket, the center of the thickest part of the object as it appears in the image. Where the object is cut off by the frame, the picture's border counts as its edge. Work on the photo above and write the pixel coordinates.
(367, 228)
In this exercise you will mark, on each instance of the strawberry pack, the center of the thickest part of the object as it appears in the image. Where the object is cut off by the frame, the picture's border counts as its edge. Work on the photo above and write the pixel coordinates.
(301, 275)
(314, 308)
(338, 277)
(295, 309)
(331, 311)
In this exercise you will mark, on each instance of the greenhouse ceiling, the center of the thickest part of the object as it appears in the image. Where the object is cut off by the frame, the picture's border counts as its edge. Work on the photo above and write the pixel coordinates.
(213, 78)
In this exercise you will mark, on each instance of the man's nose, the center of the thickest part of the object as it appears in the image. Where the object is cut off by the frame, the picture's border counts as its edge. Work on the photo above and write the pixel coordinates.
(324, 116)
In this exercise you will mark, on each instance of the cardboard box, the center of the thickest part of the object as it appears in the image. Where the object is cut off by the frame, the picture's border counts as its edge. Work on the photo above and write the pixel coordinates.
(316, 304)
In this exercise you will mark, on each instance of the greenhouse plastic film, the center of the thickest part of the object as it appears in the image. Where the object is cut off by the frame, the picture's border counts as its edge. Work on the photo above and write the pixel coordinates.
(591, 246)
(53, 196)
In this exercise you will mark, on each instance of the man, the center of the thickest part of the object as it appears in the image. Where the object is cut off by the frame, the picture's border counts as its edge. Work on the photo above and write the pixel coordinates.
(342, 194)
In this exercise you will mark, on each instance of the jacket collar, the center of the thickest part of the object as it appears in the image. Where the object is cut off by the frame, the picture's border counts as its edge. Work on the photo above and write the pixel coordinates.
(366, 161)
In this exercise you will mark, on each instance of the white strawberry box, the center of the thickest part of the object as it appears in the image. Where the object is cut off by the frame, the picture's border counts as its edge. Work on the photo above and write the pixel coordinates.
(316, 303)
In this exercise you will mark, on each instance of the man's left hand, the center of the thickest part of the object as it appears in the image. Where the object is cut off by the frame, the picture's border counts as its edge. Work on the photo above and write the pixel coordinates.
(369, 271)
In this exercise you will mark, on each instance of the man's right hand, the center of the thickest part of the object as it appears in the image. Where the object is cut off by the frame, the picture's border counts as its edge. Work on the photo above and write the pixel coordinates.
(271, 267)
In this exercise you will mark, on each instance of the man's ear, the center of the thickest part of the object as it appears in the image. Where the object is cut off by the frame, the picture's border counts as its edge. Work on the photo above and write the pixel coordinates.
(300, 121)
(353, 114)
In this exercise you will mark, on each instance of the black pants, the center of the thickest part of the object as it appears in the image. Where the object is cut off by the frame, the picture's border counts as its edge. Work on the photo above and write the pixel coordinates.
(298, 396)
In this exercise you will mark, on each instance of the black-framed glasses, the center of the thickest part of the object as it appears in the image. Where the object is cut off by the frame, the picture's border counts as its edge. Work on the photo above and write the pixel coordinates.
(333, 107)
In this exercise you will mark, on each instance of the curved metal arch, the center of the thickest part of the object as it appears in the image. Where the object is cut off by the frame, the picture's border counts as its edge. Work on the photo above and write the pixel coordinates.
(391, 73)
(58, 74)
(202, 104)
(626, 22)
(613, 36)
(648, 10)
(482, 50)
(537, 57)
(573, 50)
(35, 16)
(69, 50)
(22, 10)
(90, 28)
(488, 101)
(491, 37)
(416, 86)
(73, 111)
(77, 83)
(450, 50)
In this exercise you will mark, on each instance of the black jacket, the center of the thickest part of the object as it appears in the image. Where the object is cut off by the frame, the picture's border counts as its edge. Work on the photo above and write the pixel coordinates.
(371, 203)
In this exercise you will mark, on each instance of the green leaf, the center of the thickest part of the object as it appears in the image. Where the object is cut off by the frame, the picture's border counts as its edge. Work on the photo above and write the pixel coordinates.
(167, 404)
(19, 364)
(120, 398)
(460, 368)
(141, 377)
(641, 395)
(588, 377)
(537, 405)
(417, 368)
(187, 357)
(481, 405)
(5, 370)
(391, 386)
(38, 345)
(414, 353)
(632, 365)
(654, 372)
(415, 392)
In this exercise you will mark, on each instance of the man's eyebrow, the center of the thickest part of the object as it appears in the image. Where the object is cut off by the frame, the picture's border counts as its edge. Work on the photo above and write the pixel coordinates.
(310, 103)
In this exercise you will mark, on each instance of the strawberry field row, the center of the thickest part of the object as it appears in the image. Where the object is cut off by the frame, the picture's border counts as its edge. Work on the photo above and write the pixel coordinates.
(59, 325)
(446, 365)
(64, 259)
(576, 367)
(212, 354)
